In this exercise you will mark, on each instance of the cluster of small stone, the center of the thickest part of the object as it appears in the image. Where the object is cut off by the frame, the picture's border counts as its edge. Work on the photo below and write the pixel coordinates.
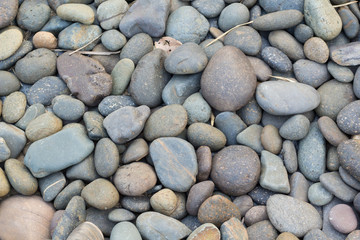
(125, 120)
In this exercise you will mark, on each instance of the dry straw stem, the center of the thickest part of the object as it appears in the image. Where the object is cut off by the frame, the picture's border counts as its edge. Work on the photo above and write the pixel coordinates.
(344, 4)
(77, 50)
(283, 78)
(225, 33)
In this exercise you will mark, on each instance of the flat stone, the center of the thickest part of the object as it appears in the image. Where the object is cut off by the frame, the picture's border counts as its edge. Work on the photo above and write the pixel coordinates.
(346, 54)
(14, 107)
(204, 159)
(114, 102)
(255, 214)
(125, 230)
(137, 150)
(346, 118)
(31, 113)
(136, 204)
(318, 195)
(69, 38)
(73, 189)
(330, 131)
(340, 73)
(14, 137)
(202, 134)
(295, 209)
(332, 182)
(110, 13)
(33, 14)
(277, 5)
(106, 157)
(10, 8)
(207, 231)
(45, 157)
(50, 186)
(251, 137)
(315, 234)
(233, 229)
(55, 24)
(76, 12)
(278, 20)
(43, 126)
(9, 83)
(349, 21)
(120, 215)
(108, 199)
(343, 218)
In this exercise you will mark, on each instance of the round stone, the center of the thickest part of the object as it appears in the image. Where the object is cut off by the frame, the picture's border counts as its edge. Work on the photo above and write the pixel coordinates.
(197, 195)
(11, 39)
(137, 150)
(33, 14)
(318, 195)
(295, 128)
(136, 204)
(202, 134)
(340, 73)
(113, 40)
(343, 218)
(317, 50)
(198, 110)
(164, 201)
(232, 15)
(138, 46)
(255, 214)
(110, 13)
(44, 39)
(125, 231)
(43, 126)
(311, 72)
(246, 39)
(303, 32)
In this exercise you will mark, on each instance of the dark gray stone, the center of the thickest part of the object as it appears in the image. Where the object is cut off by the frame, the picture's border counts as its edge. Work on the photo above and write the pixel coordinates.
(349, 21)
(114, 102)
(348, 179)
(73, 189)
(332, 182)
(231, 125)
(100, 219)
(198, 110)
(138, 46)
(246, 39)
(55, 25)
(311, 73)
(276, 59)
(14, 137)
(94, 125)
(85, 170)
(251, 113)
(51, 185)
(303, 32)
(33, 14)
(260, 195)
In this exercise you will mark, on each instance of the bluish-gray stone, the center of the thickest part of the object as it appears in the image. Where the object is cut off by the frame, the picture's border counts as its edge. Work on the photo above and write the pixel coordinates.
(4, 150)
(332, 182)
(276, 59)
(137, 47)
(125, 231)
(278, 20)
(347, 119)
(106, 157)
(77, 35)
(278, 5)
(121, 75)
(113, 40)
(51, 185)
(318, 195)
(33, 14)
(232, 15)
(209, 8)
(303, 32)
(295, 128)
(14, 137)
(94, 125)
(246, 39)
(250, 137)
(114, 102)
(9, 83)
(85, 170)
(198, 110)
(109, 13)
(55, 25)
(68, 108)
(121, 214)
(231, 125)
(340, 73)
(31, 113)
(73, 189)
(311, 73)
(251, 113)
(24, 49)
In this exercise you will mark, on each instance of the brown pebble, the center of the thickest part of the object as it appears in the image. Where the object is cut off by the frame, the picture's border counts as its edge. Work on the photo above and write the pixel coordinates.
(44, 40)
(216, 33)
(287, 236)
(317, 50)
(203, 155)
(270, 139)
(255, 214)
(244, 203)
(331, 131)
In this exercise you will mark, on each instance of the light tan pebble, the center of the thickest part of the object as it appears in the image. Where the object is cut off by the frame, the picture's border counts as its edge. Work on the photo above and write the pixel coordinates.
(317, 50)
(44, 40)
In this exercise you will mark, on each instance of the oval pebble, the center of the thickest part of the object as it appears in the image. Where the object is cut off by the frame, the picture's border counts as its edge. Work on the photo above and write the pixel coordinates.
(198, 110)
(113, 40)
(14, 107)
(330, 131)
(276, 59)
(137, 47)
(11, 39)
(106, 157)
(202, 134)
(318, 195)
(343, 218)
(246, 39)
(317, 50)
(43, 126)
(285, 42)
(278, 20)
(232, 15)
(126, 231)
(33, 14)
(9, 83)
(295, 128)
(76, 12)
(68, 108)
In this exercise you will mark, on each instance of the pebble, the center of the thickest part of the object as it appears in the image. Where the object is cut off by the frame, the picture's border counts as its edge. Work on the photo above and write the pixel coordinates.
(35, 65)
(278, 20)
(345, 54)
(353, 235)
(44, 39)
(287, 236)
(25, 48)
(11, 39)
(106, 157)
(315, 234)
(121, 75)
(347, 152)
(299, 186)
(262, 70)
(107, 61)
(14, 107)
(231, 125)
(138, 46)
(255, 215)
(286, 98)
(209, 9)
(85, 170)
(211, 49)
(327, 227)
(132, 121)
(343, 218)
(234, 77)
(158, 226)
(110, 13)
(311, 72)
(126, 231)
(286, 43)
(76, 12)
(346, 118)
(44, 157)
(9, 83)
(55, 25)
(68, 108)
(251, 137)
(191, 222)
(33, 14)
(4, 150)
(20, 177)
(233, 229)
(168, 121)
(295, 209)
(207, 231)
(318, 195)
(204, 159)
(350, 23)
(244, 203)
(246, 39)
(197, 195)
(108, 198)
(316, 50)
(10, 8)
(134, 179)
(260, 195)
(14, 137)
(86, 230)
(4, 184)
(332, 159)
(100, 219)
(322, 17)
(264, 230)
(114, 102)
(136, 204)
(276, 59)
(203, 134)
(251, 113)
(232, 15)
(303, 32)
(295, 128)
(94, 125)
(113, 40)
(164, 201)
(175, 163)
(65, 195)
(198, 110)
(340, 73)
(50, 186)
(69, 37)
(121, 215)
(137, 150)
(186, 24)
(332, 182)
(348, 179)
(330, 131)
(270, 139)
(149, 70)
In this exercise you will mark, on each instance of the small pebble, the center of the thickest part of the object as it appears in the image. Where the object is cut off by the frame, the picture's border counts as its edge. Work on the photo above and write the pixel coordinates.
(343, 218)
(316, 49)
(44, 40)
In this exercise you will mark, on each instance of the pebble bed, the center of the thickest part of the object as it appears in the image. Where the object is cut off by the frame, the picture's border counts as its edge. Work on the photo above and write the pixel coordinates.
(179, 119)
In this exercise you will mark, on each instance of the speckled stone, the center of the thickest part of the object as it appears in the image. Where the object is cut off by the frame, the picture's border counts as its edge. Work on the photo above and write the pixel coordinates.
(110, 13)
(251, 137)
(332, 182)
(340, 73)
(108, 199)
(317, 50)
(343, 218)
(348, 179)
(330, 131)
(198, 110)
(106, 157)
(197, 195)
(255, 215)
(121, 75)
(136, 204)
(9, 8)
(318, 195)
(76, 12)
(285, 42)
(138, 46)
(262, 230)
(202, 134)
(14, 107)
(94, 125)
(295, 128)
(346, 119)
(270, 139)
(311, 72)
(251, 113)
(246, 39)
(204, 159)
(299, 186)
(348, 153)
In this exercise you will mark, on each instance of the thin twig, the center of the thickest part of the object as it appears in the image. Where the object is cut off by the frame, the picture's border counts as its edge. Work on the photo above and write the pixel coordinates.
(225, 33)
(85, 45)
(344, 4)
(89, 52)
(283, 78)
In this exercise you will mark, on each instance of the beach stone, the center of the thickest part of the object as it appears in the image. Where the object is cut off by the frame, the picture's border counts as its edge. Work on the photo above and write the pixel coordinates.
(316, 50)
(164, 201)
(35, 65)
(156, 225)
(226, 165)
(44, 39)
(255, 214)
(121, 75)
(134, 179)
(24, 48)
(276, 59)
(110, 13)
(14, 137)
(69, 38)
(137, 150)
(86, 229)
(198, 110)
(318, 195)
(332, 182)
(273, 173)
(311, 72)
(345, 54)
(73, 216)
(136, 204)
(303, 32)
(234, 77)
(186, 24)
(315, 234)
(346, 118)
(286, 43)
(9, 10)
(270, 139)
(232, 15)
(263, 230)
(197, 195)
(246, 39)
(322, 17)
(4, 184)
(203, 134)
(31, 212)
(114, 102)
(113, 40)
(9, 83)
(55, 25)
(132, 121)
(330, 131)
(4, 150)
(45, 157)
(33, 14)
(50, 186)
(284, 98)
(251, 137)
(244, 203)
(65, 195)
(11, 38)
(207, 231)
(106, 157)
(100, 219)
(278, 20)
(94, 125)
(348, 179)
(85, 170)
(260, 195)
(125, 230)
(209, 9)
(168, 121)
(120, 215)
(14, 107)
(231, 125)
(204, 159)
(20, 177)
(348, 151)
(191, 222)
(340, 73)
(178, 153)
(43, 126)
(262, 70)
(295, 128)
(211, 49)
(85, 77)
(349, 21)
(295, 209)
(68, 108)
(108, 199)
(353, 235)
(289, 155)
(287, 236)
(108, 61)
(251, 113)
(332, 159)
(149, 70)
(46, 89)
(343, 218)
(138, 46)
(233, 229)
(76, 12)
(299, 186)
(278, 5)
